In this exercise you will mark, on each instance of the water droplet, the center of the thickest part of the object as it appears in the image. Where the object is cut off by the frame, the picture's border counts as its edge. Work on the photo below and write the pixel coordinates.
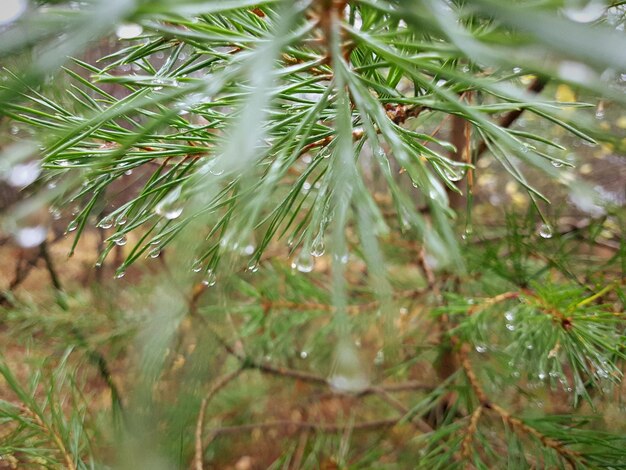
(121, 220)
(481, 349)
(249, 249)
(121, 240)
(556, 163)
(454, 175)
(510, 327)
(62, 163)
(306, 187)
(545, 231)
(128, 172)
(128, 31)
(21, 175)
(55, 213)
(582, 11)
(170, 206)
(510, 315)
(541, 375)
(120, 274)
(196, 267)
(155, 253)
(348, 375)
(380, 358)
(30, 236)
(11, 10)
(600, 110)
(216, 171)
(304, 354)
(304, 262)
(253, 266)
(210, 278)
(318, 248)
(105, 223)
(73, 225)
(469, 230)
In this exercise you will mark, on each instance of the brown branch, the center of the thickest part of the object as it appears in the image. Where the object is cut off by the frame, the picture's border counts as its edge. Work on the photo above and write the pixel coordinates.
(493, 300)
(516, 424)
(351, 309)
(315, 427)
(466, 445)
(419, 423)
(522, 428)
(471, 375)
(314, 378)
(217, 386)
(557, 315)
(52, 434)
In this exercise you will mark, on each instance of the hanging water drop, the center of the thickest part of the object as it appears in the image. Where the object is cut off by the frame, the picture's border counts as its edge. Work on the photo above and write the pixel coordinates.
(210, 278)
(304, 262)
(454, 175)
(545, 231)
(105, 223)
(120, 274)
(556, 163)
(30, 236)
(121, 240)
(155, 253)
(55, 213)
(22, 175)
(253, 266)
(11, 10)
(480, 348)
(584, 11)
(196, 267)
(128, 31)
(318, 248)
(348, 374)
(216, 171)
(73, 225)
(380, 358)
(170, 206)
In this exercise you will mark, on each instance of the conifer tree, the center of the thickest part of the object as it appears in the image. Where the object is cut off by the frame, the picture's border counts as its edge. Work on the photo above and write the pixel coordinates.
(307, 174)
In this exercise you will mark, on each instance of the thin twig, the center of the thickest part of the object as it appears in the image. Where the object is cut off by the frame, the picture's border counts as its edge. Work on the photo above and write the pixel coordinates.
(466, 445)
(53, 435)
(515, 423)
(315, 427)
(522, 428)
(217, 386)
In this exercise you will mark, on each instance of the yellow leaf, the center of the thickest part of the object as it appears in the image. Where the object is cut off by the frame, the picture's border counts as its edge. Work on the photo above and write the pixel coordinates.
(565, 94)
